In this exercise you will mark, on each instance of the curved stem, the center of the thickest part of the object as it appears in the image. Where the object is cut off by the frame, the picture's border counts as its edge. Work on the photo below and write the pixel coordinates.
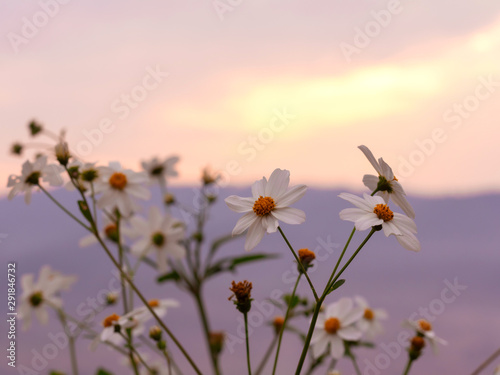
(63, 208)
(284, 323)
(485, 364)
(247, 344)
(206, 329)
(267, 355)
(322, 298)
(304, 271)
(146, 304)
(71, 341)
(407, 368)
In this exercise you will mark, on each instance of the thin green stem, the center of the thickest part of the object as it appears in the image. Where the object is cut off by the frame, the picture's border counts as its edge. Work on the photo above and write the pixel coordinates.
(485, 364)
(284, 323)
(63, 208)
(146, 304)
(304, 271)
(340, 259)
(355, 364)
(169, 362)
(206, 329)
(322, 298)
(71, 342)
(247, 344)
(120, 262)
(407, 368)
(267, 355)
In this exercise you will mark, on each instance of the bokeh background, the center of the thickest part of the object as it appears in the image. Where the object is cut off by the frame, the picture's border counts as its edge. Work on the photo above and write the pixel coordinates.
(249, 86)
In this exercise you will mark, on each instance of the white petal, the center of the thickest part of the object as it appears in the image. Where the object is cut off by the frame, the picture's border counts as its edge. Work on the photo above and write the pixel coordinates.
(319, 346)
(390, 227)
(370, 158)
(367, 221)
(239, 204)
(259, 188)
(138, 191)
(278, 183)
(336, 347)
(353, 316)
(370, 181)
(386, 170)
(350, 333)
(289, 215)
(141, 246)
(270, 223)
(409, 241)
(244, 223)
(291, 196)
(357, 201)
(254, 235)
(405, 223)
(87, 240)
(176, 250)
(352, 214)
(402, 202)
(42, 314)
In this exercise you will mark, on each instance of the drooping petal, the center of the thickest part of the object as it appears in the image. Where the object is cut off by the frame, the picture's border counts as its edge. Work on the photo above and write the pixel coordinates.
(336, 347)
(390, 227)
(371, 158)
(401, 201)
(254, 235)
(370, 181)
(278, 183)
(409, 241)
(289, 215)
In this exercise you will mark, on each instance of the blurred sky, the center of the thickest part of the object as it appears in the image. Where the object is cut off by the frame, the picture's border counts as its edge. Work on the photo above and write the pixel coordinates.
(257, 85)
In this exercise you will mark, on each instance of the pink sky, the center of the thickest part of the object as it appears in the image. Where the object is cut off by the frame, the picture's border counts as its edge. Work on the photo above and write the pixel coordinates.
(261, 86)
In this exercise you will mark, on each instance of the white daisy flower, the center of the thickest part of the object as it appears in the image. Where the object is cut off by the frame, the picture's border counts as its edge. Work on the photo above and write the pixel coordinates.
(115, 324)
(424, 328)
(160, 170)
(372, 211)
(334, 326)
(36, 296)
(161, 233)
(369, 323)
(386, 182)
(268, 204)
(30, 177)
(118, 186)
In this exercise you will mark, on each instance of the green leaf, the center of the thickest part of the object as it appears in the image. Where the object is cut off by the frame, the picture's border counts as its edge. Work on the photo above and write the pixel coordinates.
(103, 372)
(171, 276)
(85, 210)
(230, 263)
(221, 241)
(337, 285)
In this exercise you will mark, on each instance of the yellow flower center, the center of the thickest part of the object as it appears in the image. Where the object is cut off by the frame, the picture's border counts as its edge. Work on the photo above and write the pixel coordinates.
(332, 325)
(424, 325)
(368, 315)
(118, 181)
(383, 212)
(154, 303)
(263, 206)
(108, 322)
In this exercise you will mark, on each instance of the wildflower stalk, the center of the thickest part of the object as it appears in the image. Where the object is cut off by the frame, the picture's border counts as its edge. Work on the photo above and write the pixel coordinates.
(245, 315)
(267, 355)
(355, 363)
(206, 328)
(132, 351)
(407, 368)
(146, 304)
(304, 271)
(486, 363)
(322, 298)
(284, 322)
(71, 341)
(63, 208)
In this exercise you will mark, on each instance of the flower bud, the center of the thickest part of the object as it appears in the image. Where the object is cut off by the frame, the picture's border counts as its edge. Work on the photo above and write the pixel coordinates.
(216, 340)
(242, 291)
(155, 333)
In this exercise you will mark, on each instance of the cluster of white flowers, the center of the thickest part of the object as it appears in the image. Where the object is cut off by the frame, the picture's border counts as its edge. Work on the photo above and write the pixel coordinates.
(345, 320)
